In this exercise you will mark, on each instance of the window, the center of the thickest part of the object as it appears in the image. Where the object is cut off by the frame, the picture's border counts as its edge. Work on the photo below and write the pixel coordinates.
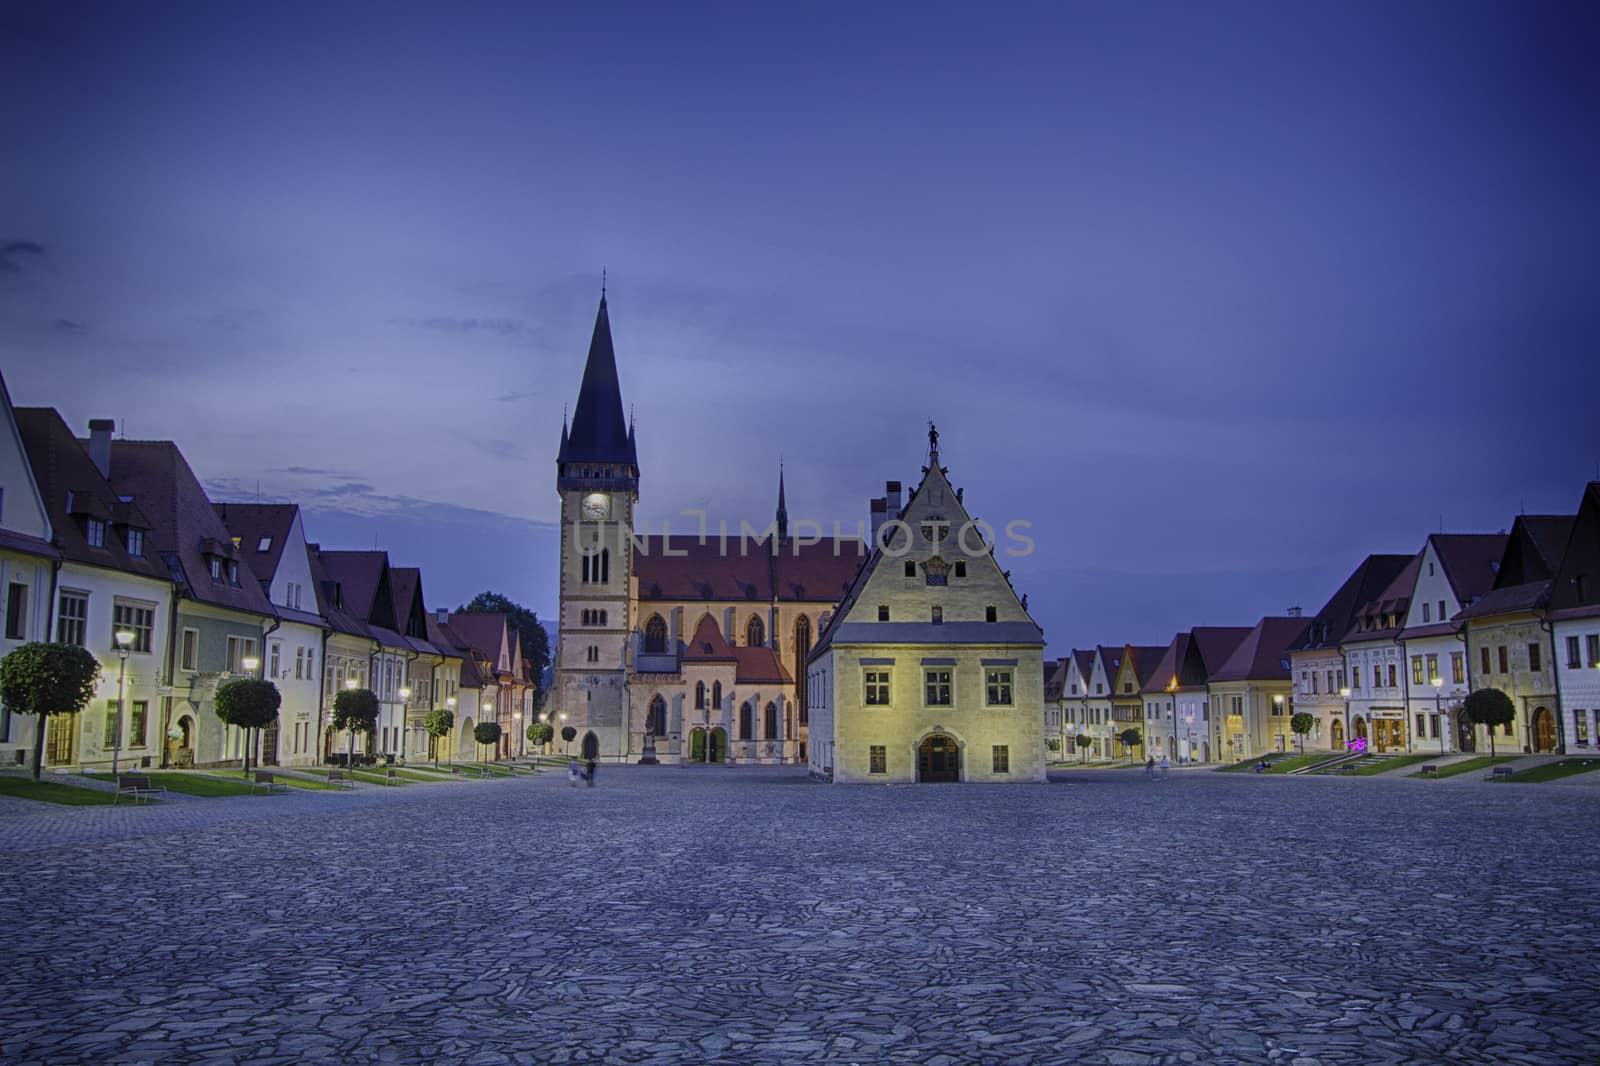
(1433, 668)
(111, 725)
(1501, 651)
(938, 616)
(961, 569)
(216, 569)
(273, 654)
(311, 671)
(990, 614)
(771, 723)
(95, 533)
(1416, 670)
(190, 657)
(140, 621)
(138, 718)
(17, 613)
(1393, 676)
(1485, 656)
(1427, 610)
(883, 612)
(72, 618)
(1574, 656)
(877, 688)
(1236, 705)
(877, 759)
(1535, 657)
(1580, 727)
(1441, 610)
(1458, 668)
(136, 542)
(655, 636)
(1592, 643)
(911, 568)
(699, 695)
(997, 684)
(239, 649)
(937, 684)
(264, 544)
(233, 573)
(716, 694)
(1002, 759)
(755, 634)
(1422, 725)
(299, 663)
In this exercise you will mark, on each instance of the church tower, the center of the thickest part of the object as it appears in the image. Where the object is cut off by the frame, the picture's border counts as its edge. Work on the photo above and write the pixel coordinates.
(597, 477)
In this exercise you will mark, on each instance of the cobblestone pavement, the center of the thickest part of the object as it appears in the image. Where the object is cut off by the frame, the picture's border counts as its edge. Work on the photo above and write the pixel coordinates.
(674, 915)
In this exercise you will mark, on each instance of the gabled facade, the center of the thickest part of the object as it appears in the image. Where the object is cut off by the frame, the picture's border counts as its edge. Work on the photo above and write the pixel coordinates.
(28, 560)
(1137, 664)
(368, 593)
(1573, 614)
(933, 677)
(347, 656)
(1251, 692)
(1104, 662)
(1375, 666)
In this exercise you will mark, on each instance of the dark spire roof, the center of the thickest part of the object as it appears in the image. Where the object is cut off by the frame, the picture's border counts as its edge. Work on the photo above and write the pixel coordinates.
(598, 433)
(783, 507)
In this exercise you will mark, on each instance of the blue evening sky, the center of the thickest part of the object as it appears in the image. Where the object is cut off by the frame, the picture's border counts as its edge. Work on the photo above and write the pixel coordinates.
(1220, 297)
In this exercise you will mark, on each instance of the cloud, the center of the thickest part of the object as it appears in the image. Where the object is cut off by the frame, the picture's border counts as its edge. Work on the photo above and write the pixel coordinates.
(67, 325)
(14, 253)
(493, 447)
(512, 397)
(505, 327)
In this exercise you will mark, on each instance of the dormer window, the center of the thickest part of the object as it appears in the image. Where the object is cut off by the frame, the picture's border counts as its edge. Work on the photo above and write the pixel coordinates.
(264, 544)
(136, 542)
(216, 569)
(94, 531)
(233, 573)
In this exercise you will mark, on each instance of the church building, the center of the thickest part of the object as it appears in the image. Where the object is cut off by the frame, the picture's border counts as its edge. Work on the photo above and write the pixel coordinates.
(686, 648)
(932, 669)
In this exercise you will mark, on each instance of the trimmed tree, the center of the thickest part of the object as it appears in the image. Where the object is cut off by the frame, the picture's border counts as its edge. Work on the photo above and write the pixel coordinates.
(1301, 723)
(44, 679)
(539, 733)
(1130, 739)
(1489, 707)
(486, 732)
(1083, 743)
(353, 709)
(251, 705)
(438, 724)
(568, 735)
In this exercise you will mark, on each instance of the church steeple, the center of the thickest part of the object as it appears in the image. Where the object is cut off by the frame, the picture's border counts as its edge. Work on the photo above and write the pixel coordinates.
(783, 507)
(598, 432)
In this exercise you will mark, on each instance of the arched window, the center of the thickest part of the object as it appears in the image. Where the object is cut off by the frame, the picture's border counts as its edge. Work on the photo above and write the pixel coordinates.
(716, 695)
(756, 632)
(802, 648)
(655, 636)
(771, 722)
(657, 725)
(747, 721)
(699, 695)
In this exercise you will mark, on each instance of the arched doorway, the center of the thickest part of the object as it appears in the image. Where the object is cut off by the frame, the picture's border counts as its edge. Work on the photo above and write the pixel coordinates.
(938, 759)
(1205, 751)
(697, 745)
(1360, 728)
(718, 748)
(182, 753)
(591, 745)
(1544, 730)
(467, 742)
(1466, 735)
(1336, 735)
(268, 755)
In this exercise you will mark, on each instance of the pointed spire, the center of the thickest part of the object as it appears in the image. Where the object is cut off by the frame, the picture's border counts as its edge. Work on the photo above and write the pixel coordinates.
(783, 506)
(598, 432)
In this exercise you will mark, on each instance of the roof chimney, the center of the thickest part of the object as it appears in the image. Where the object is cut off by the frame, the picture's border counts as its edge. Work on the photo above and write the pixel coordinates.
(100, 430)
(892, 495)
(879, 513)
(443, 616)
(1294, 612)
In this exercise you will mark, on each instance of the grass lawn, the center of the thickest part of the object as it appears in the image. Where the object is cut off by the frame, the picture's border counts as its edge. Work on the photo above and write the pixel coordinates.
(206, 785)
(50, 792)
(1552, 771)
(285, 779)
(1278, 764)
(1483, 762)
(1368, 767)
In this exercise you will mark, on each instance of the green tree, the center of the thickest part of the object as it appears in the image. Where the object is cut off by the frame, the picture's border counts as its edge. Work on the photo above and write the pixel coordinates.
(1083, 743)
(524, 623)
(1130, 739)
(44, 679)
(251, 705)
(1489, 707)
(568, 734)
(486, 733)
(353, 709)
(1302, 724)
(539, 733)
(438, 724)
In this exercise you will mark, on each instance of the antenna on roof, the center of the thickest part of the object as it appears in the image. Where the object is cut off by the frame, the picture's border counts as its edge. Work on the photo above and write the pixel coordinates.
(602, 283)
(258, 490)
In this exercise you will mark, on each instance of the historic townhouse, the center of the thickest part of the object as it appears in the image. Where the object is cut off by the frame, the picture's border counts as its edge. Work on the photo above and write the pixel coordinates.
(932, 678)
(1179, 695)
(28, 562)
(363, 578)
(423, 667)
(1055, 721)
(1099, 723)
(112, 579)
(1375, 664)
(1573, 612)
(1251, 695)
(1316, 661)
(1136, 667)
(271, 537)
(222, 615)
(1509, 641)
(447, 686)
(491, 661)
(1455, 569)
(1075, 689)
(629, 674)
(346, 658)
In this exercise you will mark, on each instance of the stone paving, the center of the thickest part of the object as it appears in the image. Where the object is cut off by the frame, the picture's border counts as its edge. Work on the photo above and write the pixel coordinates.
(694, 915)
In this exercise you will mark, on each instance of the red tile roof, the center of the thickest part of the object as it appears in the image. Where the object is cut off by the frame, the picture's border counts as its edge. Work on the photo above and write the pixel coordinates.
(1382, 617)
(251, 522)
(714, 570)
(1263, 655)
(759, 665)
(485, 633)
(1469, 560)
(361, 576)
(708, 644)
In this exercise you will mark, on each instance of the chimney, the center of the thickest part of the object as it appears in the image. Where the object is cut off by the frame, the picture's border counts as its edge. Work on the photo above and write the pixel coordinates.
(879, 514)
(892, 490)
(443, 616)
(100, 430)
(1294, 612)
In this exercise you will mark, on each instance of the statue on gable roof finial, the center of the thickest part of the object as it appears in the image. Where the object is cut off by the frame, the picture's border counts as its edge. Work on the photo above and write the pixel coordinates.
(933, 437)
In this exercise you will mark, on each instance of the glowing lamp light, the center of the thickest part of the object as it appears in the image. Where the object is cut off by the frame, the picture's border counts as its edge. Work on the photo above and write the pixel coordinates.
(124, 638)
(351, 683)
(250, 662)
(405, 692)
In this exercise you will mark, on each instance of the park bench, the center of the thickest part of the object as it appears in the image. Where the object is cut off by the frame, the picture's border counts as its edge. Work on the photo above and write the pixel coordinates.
(340, 778)
(1430, 768)
(1499, 773)
(391, 777)
(138, 786)
(265, 780)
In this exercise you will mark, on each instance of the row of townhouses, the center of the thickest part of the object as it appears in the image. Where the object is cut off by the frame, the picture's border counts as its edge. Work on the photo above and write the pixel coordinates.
(101, 537)
(1387, 661)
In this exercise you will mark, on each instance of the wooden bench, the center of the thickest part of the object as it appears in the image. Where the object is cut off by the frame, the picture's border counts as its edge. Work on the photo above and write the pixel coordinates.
(138, 786)
(1499, 773)
(340, 778)
(265, 780)
(1429, 768)
(391, 777)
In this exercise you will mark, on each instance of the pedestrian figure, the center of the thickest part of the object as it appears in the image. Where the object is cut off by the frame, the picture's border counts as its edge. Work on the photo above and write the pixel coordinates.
(1150, 766)
(1165, 765)
(572, 773)
(591, 773)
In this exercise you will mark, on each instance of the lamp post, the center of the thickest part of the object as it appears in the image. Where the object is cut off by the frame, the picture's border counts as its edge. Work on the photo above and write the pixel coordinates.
(450, 703)
(400, 726)
(516, 716)
(350, 685)
(123, 639)
(486, 708)
(1344, 693)
(1188, 733)
(1277, 711)
(565, 748)
(249, 663)
(1438, 713)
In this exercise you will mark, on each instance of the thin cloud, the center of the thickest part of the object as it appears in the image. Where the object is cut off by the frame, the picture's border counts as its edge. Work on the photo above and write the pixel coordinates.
(13, 254)
(504, 327)
(67, 325)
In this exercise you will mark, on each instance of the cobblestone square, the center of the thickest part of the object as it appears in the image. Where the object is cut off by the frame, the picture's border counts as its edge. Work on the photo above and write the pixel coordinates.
(673, 915)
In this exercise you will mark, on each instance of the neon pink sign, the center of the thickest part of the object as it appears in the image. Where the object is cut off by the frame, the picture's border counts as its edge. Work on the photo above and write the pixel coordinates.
(1358, 745)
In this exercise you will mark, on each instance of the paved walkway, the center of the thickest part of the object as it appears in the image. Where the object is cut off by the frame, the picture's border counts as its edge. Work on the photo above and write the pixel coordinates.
(717, 915)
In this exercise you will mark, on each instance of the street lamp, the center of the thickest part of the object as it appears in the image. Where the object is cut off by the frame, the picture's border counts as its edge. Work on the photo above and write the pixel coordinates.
(1438, 720)
(1277, 711)
(1188, 734)
(124, 643)
(565, 747)
(400, 726)
(516, 716)
(485, 707)
(1345, 695)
